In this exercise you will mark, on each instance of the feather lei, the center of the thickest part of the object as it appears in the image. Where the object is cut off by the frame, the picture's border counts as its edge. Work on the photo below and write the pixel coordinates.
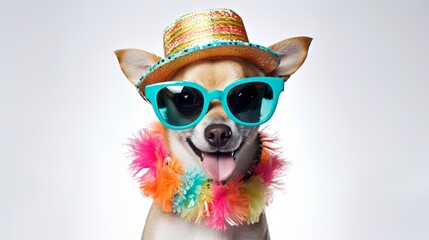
(192, 195)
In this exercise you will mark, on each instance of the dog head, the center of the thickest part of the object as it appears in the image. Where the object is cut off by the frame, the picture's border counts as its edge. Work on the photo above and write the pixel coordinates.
(217, 145)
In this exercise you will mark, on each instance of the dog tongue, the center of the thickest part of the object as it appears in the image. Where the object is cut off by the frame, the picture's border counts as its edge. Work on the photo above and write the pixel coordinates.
(218, 165)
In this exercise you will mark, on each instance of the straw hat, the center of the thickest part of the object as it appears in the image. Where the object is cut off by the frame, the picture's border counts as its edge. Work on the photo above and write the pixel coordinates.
(206, 34)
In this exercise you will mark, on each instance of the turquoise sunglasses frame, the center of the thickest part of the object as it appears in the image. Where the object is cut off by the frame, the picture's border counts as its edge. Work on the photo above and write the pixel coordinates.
(277, 85)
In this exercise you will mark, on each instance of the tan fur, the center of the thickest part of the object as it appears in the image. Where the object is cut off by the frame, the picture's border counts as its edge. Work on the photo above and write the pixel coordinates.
(217, 111)
(212, 74)
(134, 62)
(216, 76)
(293, 52)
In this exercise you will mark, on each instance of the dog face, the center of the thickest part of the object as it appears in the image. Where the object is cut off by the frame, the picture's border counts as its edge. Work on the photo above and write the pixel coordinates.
(217, 145)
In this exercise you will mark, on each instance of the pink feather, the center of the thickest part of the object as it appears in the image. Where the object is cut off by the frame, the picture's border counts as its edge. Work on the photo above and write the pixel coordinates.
(219, 208)
(147, 149)
(271, 171)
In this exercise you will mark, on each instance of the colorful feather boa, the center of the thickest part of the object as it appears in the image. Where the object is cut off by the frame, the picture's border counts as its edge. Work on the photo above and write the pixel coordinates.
(192, 195)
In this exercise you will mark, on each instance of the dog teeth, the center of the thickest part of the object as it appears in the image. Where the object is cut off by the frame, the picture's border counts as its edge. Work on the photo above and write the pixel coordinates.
(233, 153)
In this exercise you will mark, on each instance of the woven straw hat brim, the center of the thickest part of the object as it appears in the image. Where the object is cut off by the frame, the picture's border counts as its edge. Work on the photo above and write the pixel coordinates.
(260, 56)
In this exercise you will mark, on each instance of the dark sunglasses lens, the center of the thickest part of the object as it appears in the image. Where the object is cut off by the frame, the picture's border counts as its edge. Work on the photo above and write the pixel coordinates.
(251, 102)
(180, 105)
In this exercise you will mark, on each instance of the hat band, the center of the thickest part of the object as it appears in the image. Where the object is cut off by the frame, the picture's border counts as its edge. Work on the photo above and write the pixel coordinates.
(205, 39)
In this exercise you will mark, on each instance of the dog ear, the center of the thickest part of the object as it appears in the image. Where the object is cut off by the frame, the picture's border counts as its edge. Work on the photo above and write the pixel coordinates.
(135, 62)
(293, 52)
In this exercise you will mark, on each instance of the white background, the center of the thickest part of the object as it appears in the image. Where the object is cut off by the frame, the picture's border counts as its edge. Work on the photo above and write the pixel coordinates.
(353, 120)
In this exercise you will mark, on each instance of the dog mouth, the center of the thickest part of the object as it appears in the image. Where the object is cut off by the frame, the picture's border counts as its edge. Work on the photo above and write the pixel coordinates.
(218, 165)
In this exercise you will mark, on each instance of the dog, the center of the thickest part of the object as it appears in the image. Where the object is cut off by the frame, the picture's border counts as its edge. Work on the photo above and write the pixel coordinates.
(216, 134)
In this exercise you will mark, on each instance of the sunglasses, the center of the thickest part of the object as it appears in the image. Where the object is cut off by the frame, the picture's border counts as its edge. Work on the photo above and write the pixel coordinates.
(248, 101)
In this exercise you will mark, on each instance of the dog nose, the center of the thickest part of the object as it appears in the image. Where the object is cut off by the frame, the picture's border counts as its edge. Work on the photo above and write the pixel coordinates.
(217, 135)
